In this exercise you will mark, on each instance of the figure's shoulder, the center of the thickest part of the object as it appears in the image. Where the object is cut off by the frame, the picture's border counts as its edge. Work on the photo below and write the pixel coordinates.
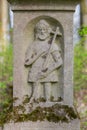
(34, 44)
(31, 45)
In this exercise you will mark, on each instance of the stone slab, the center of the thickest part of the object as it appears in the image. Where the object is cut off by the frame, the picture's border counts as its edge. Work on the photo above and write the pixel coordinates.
(73, 125)
(22, 28)
(59, 11)
(43, 5)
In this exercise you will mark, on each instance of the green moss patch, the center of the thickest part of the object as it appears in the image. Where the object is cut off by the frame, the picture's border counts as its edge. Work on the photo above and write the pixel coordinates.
(55, 113)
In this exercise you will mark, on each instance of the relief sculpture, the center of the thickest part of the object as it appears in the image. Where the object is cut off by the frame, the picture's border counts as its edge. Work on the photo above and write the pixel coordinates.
(43, 57)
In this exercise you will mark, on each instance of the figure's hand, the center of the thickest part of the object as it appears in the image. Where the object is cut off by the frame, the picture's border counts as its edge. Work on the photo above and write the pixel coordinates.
(41, 75)
(26, 62)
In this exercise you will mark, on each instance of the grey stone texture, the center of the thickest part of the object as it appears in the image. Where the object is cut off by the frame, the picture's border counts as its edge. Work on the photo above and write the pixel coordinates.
(1, 128)
(22, 30)
(43, 56)
(43, 5)
(26, 15)
(73, 125)
(24, 22)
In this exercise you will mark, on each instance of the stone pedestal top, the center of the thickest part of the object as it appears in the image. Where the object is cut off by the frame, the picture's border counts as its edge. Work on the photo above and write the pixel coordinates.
(44, 4)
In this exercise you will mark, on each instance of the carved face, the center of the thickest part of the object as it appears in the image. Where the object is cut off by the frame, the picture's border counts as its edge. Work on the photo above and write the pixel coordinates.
(43, 33)
(42, 30)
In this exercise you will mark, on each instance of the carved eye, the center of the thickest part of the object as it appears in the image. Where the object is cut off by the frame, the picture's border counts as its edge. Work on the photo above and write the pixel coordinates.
(35, 53)
(45, 70)
(27, 60)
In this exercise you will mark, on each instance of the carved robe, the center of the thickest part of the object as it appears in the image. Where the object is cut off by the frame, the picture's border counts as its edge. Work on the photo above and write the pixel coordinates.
(35, 57)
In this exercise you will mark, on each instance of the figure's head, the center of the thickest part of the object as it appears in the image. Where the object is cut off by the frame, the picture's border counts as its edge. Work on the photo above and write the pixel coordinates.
(42, 30)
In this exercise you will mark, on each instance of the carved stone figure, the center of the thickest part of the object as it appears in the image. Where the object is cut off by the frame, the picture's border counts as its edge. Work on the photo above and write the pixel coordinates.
(43, 56)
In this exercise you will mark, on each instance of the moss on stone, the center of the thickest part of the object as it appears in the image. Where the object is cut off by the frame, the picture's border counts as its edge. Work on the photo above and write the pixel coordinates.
(55, 113)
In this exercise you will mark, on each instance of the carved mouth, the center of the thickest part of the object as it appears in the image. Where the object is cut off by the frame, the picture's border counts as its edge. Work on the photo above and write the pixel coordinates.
(42, 36)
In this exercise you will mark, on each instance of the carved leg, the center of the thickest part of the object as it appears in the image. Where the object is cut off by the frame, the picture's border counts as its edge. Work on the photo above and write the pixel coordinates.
(52, 92)
(38, 91)
(48, 91)
(55, 91)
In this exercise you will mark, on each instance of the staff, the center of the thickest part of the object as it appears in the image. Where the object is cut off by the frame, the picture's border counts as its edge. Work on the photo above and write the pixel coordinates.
(45, 65)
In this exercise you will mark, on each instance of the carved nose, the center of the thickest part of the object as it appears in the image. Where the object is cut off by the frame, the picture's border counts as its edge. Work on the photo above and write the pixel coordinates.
(42, 32)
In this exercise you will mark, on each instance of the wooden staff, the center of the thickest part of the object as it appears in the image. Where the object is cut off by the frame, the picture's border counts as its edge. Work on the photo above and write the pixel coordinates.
(45, 65)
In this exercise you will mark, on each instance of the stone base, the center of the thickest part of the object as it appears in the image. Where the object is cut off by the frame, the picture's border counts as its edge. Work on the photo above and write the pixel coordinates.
(73, 125)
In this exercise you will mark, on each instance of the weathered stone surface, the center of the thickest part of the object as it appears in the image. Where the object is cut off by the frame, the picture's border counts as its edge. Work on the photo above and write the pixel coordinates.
(1, 128)
(24, 23)
(44, 5)
(43, 57)
(73, 125)
(56, 13)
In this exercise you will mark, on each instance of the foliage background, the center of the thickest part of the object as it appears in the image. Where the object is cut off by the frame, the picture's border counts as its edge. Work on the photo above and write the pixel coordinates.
(80, 77)
(6, 76)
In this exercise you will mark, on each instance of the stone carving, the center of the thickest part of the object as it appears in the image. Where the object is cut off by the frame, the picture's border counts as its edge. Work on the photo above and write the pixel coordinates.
(43, 57)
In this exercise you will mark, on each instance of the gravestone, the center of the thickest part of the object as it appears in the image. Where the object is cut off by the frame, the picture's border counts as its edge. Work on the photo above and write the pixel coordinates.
(43, 63)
